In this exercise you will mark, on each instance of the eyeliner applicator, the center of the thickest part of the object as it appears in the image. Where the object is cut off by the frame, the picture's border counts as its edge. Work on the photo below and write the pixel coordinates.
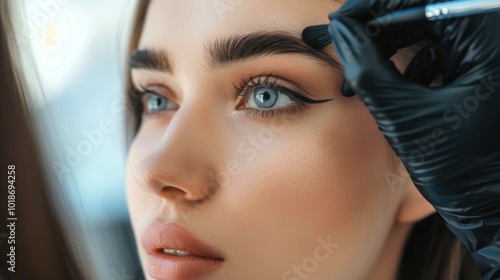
(438, 11)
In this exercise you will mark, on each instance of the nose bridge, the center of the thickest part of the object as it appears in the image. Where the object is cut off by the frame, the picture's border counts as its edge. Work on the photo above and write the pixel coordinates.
(180, 165)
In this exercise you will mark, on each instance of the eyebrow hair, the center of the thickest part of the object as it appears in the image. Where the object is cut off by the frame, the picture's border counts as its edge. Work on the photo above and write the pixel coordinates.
(237, 48)
(241, 47)
(150, 59)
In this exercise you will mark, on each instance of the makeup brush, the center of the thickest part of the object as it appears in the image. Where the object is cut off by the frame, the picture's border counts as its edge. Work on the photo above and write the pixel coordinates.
(318, 37)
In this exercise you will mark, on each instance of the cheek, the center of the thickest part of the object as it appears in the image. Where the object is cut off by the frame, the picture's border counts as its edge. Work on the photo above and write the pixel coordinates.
(336, 160)
(285, 186)
(322, 179)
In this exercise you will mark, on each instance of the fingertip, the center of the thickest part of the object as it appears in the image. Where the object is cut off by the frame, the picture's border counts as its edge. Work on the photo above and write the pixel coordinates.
(333, 15)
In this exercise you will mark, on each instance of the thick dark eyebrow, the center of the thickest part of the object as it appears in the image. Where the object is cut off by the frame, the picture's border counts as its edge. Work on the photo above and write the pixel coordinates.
(235, 49)
(150, 60)
(241, 47)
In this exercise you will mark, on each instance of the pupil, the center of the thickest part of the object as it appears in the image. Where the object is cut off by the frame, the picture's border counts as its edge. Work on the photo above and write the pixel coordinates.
(156, 103)
(265, 97)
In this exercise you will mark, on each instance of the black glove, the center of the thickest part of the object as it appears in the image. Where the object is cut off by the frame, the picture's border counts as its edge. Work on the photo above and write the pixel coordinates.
(448, 137)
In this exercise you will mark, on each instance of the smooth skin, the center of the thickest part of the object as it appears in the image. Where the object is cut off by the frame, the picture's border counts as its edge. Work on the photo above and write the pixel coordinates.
(266, 192)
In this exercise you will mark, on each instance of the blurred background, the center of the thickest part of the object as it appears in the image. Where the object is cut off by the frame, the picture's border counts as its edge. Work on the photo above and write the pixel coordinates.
(75, 54)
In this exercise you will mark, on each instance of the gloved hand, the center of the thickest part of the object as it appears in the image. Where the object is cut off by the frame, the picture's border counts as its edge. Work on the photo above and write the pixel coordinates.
(448, 137)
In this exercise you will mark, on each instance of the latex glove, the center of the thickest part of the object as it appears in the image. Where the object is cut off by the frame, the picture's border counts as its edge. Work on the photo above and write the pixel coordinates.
(448, 137)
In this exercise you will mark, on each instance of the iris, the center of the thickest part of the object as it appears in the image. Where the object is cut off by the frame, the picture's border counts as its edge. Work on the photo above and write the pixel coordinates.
(266, 97)
(156, 103)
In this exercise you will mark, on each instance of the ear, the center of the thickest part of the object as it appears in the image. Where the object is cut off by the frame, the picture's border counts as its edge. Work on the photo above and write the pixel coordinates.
(413, 206)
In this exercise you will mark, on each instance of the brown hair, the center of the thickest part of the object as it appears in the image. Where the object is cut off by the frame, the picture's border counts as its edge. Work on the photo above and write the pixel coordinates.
(140, 17)
(40, 250)
(431, 252)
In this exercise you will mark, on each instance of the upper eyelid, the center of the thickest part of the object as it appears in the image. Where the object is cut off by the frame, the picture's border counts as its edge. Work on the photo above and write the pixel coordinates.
(298, 99)
(243, 82)
(304, 96)
(169, 94)
(268, 82)
(298, 96)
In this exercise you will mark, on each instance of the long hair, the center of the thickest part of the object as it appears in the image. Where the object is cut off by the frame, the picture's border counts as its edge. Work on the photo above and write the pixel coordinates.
(431, 251)
(40, 248)
(132, 119)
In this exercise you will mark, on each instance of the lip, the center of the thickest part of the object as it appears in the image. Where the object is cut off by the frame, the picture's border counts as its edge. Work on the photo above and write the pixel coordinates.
(204, 259)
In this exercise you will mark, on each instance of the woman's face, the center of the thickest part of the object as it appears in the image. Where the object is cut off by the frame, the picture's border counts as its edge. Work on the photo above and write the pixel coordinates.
(282, 188)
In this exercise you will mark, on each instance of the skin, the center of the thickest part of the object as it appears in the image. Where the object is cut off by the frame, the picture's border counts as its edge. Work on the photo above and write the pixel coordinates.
(323, 173)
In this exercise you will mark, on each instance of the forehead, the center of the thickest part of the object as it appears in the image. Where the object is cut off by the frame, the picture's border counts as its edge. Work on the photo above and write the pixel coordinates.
(190, 23)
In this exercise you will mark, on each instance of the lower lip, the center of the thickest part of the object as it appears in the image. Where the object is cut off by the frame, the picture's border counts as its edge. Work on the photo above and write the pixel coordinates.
(165, 266)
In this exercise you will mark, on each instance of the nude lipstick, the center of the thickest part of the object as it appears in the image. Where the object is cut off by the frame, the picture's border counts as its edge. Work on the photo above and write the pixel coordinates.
(173, 253)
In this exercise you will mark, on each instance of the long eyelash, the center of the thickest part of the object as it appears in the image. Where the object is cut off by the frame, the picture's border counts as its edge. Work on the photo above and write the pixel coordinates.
(249, 84)
(134, 102)
(288, 110)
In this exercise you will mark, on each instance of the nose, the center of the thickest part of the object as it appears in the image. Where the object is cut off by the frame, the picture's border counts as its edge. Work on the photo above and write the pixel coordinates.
(177, 167)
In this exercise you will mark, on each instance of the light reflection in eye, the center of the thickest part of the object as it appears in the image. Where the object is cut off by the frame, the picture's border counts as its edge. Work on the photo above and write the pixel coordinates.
(156, 103)
(267, 98)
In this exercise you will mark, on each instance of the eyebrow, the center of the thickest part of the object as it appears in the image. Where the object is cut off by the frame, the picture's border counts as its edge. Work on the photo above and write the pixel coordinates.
(241, 47)
(236, 49)
(151, 60)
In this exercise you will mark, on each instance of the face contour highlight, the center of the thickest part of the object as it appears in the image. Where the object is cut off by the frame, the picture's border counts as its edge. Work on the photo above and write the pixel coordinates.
(282, 187)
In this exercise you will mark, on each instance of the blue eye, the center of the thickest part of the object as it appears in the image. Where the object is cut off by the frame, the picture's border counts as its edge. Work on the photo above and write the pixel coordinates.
(154, 103)
(267, 98)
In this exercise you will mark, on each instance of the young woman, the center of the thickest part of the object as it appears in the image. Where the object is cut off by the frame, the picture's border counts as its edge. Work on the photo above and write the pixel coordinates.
(248, 163)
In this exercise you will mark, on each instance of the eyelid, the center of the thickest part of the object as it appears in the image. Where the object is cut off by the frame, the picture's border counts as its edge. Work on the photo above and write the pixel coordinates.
(157, 89)
(263, 80)
(293, 84)
(277, 81)
(139, 100)
(149, 92)
(303, 95)
(158, 83)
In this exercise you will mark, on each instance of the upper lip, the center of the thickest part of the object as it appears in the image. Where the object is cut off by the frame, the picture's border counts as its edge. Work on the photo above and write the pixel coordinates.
(157, 237)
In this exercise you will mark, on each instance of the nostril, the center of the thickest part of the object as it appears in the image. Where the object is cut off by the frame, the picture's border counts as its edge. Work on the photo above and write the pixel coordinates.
(173, 193)
(192, 195)
(175, 177)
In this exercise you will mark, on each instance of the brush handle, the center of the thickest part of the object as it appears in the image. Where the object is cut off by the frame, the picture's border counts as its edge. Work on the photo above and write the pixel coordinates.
(437, 11)
(446, 10)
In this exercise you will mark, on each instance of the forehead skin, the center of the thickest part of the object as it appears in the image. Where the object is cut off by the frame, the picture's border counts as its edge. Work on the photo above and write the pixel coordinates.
(167, 22)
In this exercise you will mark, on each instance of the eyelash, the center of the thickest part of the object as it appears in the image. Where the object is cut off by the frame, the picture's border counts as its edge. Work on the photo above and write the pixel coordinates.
(248, 85)
(135, 102)
(242, 89)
